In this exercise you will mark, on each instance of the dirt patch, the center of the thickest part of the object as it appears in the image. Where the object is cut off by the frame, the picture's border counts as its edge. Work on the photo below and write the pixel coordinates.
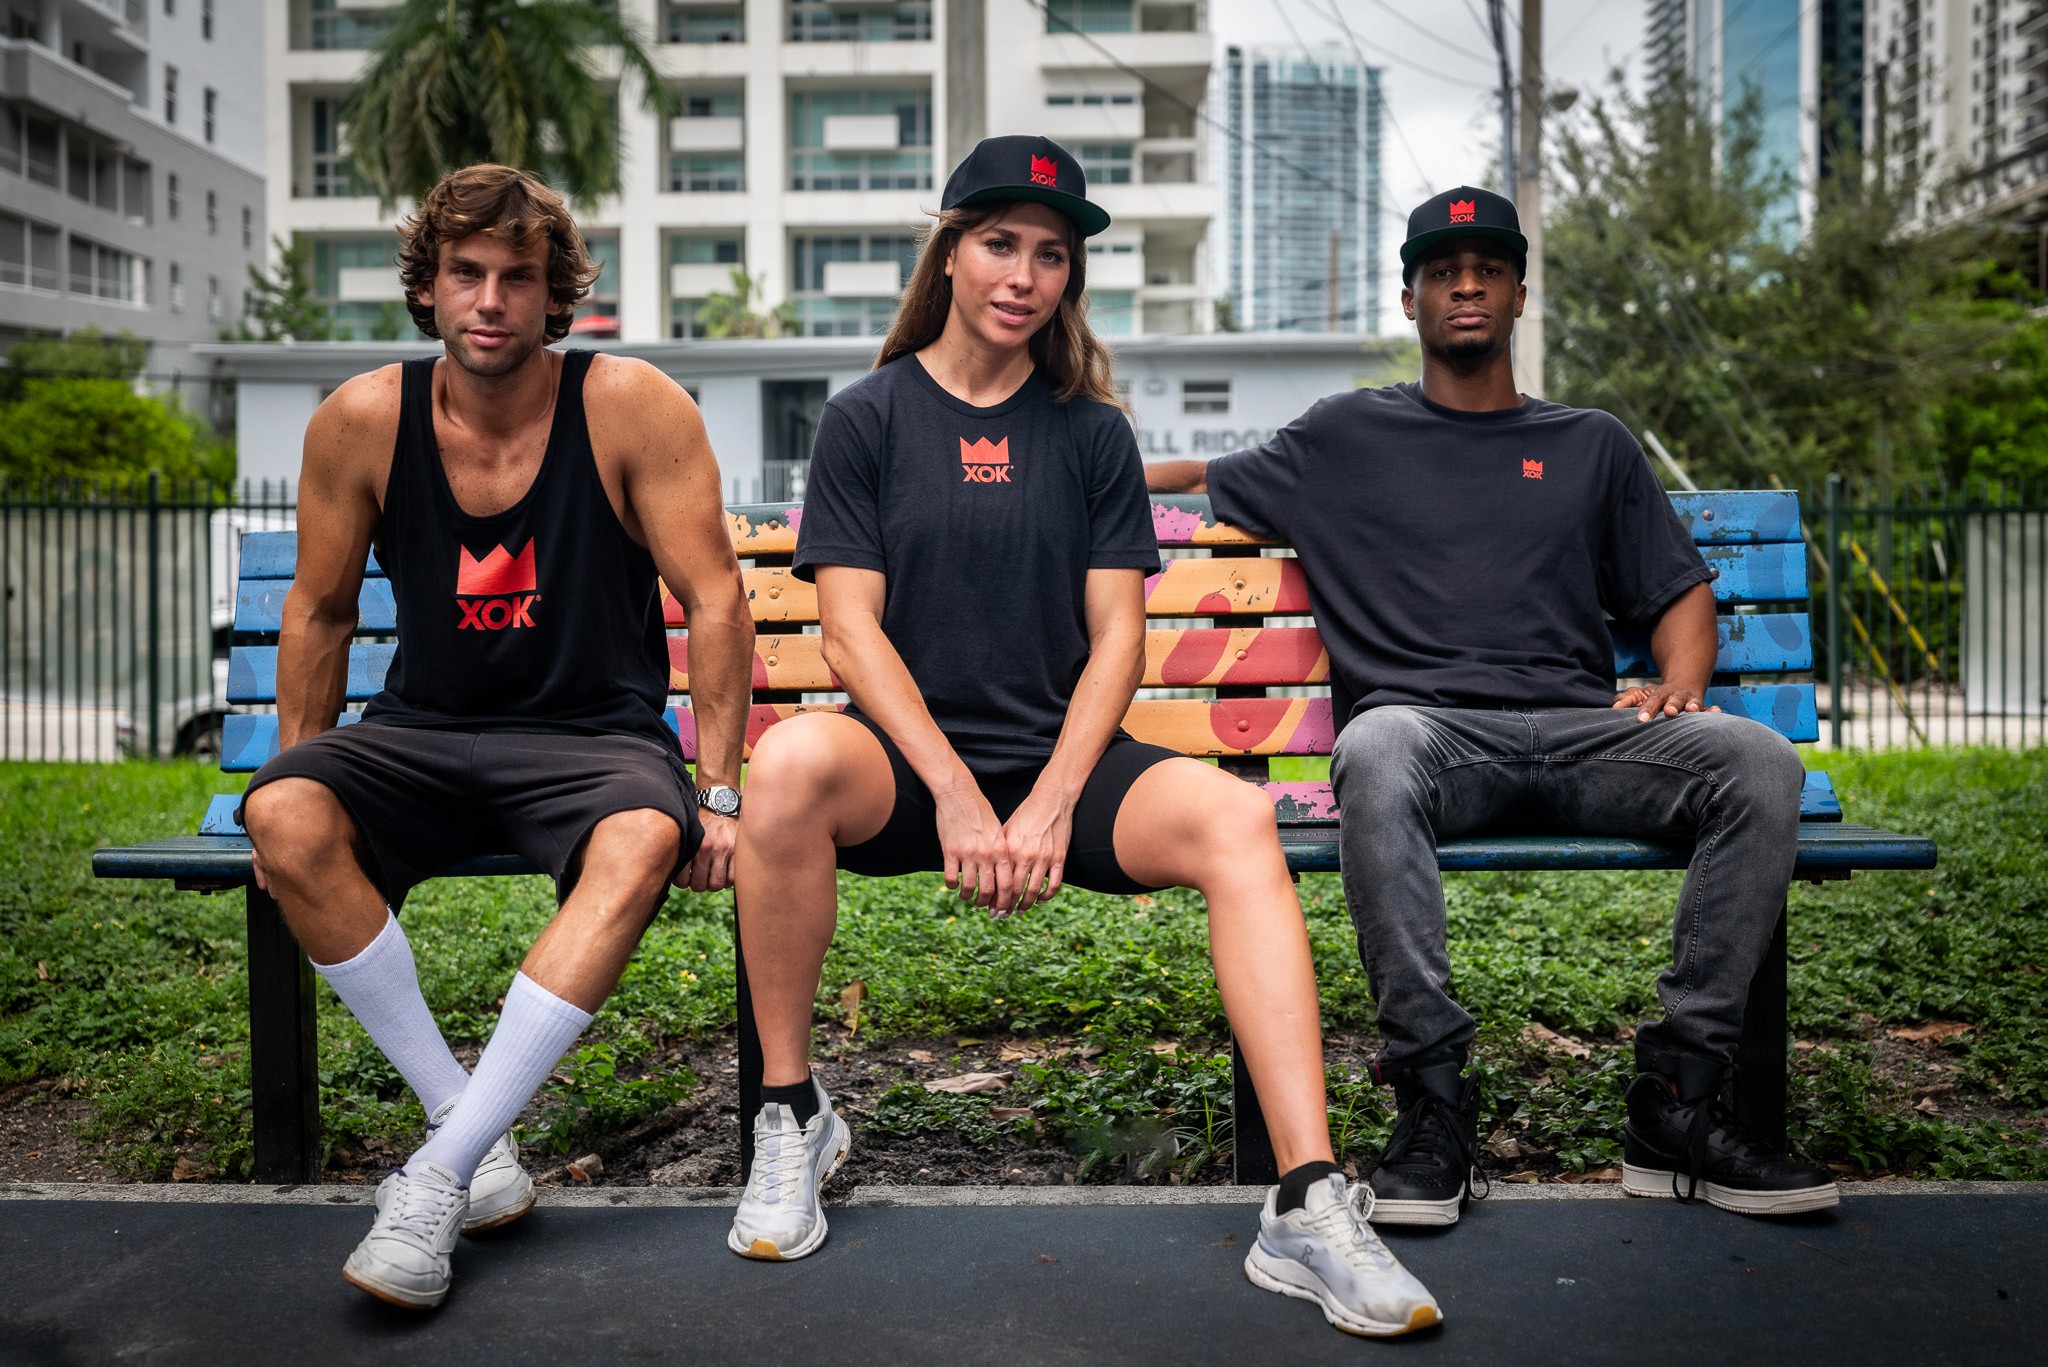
(39, 1136)
(696, 1143)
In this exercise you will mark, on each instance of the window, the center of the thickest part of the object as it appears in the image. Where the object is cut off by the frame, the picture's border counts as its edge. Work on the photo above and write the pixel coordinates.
(206, 20)
(1204, 397)
(171, 95)
(102, 272)
(172, 203)
(331, 176)
(1104, 163)
(28, 254)
(361, 319)
(814, 166)
(702, 168)
(248, 227)
(860, 21)
(1113, 313)
(177, 288)
(1090, 16)
(39, 149)
(213, 297)
(212, 214)
(330, 29)
(709, 263)
(823, 315)
(1072, 100)
(170, 7)
(135, 196)
(690, 23)
(211, 101)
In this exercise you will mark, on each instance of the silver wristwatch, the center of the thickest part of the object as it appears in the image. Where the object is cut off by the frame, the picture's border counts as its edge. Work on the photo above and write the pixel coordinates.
(720, 800)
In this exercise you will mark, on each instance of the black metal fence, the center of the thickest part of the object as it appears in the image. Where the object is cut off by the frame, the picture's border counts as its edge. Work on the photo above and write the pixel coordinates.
(116, 607)
(1930, 608)
(1930, 614)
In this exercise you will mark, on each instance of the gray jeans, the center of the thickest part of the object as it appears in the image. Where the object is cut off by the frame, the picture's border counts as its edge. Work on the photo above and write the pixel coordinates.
(1408, 776)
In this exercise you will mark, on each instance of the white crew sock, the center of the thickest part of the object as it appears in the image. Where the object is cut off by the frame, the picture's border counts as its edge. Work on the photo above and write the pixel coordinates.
(381, 987)
(536, 1029)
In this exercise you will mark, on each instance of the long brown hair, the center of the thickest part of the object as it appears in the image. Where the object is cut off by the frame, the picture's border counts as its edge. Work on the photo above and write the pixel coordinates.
(515, 207)
(1073, 358)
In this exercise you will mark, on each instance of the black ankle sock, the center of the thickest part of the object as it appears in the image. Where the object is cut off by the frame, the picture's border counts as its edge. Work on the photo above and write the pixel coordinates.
(1294, 1184)
(800, 1097)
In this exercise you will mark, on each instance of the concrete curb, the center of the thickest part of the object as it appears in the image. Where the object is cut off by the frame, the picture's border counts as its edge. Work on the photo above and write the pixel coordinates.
(572, 1198)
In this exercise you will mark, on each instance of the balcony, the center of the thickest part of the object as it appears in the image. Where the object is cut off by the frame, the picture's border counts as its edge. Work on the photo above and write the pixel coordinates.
(1115, 270)
(32, 74)
(862, 132)
(863, 279)
(369, 285)
(859, 21)
(1160, 55)
(1089, 116)
(708, 134)
(1151, 203)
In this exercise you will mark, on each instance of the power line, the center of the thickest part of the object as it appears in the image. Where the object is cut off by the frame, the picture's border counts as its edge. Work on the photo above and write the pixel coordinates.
(1428, 33)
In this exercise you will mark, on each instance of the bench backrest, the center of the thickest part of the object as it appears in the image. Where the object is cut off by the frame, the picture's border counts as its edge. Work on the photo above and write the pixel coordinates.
(1253, 633)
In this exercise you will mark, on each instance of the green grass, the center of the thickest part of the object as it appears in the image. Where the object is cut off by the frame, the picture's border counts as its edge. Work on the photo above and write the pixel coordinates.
(137, 992)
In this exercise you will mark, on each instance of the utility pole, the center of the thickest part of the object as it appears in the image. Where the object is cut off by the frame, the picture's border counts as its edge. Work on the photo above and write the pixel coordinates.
(1528, 196)
(1336, 285)
(1494, 10)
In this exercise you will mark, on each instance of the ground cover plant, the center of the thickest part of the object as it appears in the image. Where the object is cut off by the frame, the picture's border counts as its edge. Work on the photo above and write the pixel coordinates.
(1919, 1009)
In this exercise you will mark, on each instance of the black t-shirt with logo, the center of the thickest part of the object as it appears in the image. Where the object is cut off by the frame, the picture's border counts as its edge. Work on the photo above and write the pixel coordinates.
(986, 522)
(1464, 559)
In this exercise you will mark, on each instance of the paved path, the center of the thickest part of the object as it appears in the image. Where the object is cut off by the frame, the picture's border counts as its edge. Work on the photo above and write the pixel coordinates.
(1955, 1277)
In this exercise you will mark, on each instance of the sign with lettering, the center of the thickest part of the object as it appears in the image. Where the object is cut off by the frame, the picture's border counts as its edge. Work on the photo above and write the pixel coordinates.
(1183, 443)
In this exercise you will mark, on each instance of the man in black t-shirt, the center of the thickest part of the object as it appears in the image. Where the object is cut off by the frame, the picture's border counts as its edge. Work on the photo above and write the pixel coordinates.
(1464, 547)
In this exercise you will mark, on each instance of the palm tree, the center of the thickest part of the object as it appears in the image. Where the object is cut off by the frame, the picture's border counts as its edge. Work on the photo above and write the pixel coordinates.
(511, 81)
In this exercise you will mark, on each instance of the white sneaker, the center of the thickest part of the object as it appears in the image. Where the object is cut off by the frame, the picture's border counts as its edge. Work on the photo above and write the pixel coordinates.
(501, 1190)
(404, 1257)
(779, 1216)
(1327, 1253)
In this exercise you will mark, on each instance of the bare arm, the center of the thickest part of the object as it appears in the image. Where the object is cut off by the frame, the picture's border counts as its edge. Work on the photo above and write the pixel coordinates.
(850, 620)
(348, 446)
(1177, 476)
(1683, 643)
(674, 500)
(1039, 831)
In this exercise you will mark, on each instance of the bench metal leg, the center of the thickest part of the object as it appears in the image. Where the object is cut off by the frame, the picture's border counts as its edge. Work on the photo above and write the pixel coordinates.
(1253, 1160)
(284, 1076)
(1760, 1055)
(749, 1054)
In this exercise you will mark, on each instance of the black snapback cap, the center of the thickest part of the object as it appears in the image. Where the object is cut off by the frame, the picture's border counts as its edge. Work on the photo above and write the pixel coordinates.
(1463, 212)
(1025, 167)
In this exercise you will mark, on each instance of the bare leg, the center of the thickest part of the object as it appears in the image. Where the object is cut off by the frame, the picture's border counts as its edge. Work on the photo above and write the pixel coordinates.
(1189, 824)
(626, 867)
(306, 857)
(816, 782)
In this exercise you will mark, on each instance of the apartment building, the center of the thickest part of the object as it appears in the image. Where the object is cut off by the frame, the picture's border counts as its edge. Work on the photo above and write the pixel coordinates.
(1300, 180)
(131, 169)
(815, 136)
(1960, 94)
(1801, 60)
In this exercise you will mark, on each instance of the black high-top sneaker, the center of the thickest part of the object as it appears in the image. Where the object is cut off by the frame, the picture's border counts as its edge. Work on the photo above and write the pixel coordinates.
(1426, 1170)
(1683, 1141)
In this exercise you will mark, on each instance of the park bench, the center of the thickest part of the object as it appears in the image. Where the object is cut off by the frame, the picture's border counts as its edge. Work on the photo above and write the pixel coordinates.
(1227, 672)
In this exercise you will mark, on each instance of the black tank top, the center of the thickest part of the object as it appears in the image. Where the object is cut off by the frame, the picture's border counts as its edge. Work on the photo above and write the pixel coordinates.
(543, 618)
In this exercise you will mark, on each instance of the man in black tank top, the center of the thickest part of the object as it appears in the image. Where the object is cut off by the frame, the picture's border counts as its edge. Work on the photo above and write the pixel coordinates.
(527, 505)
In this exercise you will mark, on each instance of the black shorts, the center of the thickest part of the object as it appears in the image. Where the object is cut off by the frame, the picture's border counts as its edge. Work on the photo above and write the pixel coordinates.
(909, 841)
(426, 799)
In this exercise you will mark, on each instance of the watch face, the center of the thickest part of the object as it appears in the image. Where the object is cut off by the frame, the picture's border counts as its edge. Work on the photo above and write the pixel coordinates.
(724, 801)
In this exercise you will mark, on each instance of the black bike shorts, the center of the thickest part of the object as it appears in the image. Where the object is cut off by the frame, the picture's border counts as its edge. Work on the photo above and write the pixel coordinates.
(909, 841)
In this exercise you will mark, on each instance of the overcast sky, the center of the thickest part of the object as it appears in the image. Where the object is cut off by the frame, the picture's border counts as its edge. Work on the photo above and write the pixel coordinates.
(1438, 79)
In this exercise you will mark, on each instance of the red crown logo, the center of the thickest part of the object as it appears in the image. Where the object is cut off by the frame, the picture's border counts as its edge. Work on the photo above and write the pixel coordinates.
(497, 574)
(1463, 211)
(985, 452)
(1045, 171)
(1532, 469)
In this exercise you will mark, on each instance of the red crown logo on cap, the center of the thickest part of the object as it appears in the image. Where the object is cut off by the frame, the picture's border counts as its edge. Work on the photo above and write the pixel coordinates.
(1045, 171)
(1463, 211)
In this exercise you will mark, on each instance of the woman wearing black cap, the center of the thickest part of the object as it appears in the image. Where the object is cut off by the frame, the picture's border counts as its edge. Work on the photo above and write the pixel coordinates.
(977, 525)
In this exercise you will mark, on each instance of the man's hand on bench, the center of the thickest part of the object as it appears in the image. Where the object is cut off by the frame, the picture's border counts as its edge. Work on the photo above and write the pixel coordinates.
(711, 870)
(1661, 700)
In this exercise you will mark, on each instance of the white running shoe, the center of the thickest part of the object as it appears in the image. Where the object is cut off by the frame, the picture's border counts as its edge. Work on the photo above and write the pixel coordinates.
(501, 1190)
(780, 1217)
(1327, 1253)
(404, 1257)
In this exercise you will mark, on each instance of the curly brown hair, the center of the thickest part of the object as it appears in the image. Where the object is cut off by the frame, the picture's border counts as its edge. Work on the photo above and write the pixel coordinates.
(511, 205)
(1074, 359)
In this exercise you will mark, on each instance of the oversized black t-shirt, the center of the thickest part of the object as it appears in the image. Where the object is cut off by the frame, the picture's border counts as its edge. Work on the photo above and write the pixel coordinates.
(986, 522)
(1464, 559)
